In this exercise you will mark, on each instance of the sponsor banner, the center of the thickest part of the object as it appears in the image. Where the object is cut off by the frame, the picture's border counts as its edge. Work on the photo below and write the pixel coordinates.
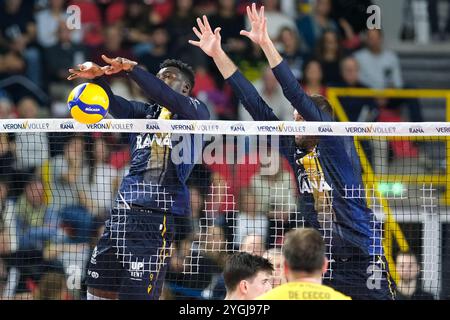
(213, 127)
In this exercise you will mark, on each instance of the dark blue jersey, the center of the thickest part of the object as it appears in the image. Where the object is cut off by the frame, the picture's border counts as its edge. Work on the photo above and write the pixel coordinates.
(354, 223)
(154, 181)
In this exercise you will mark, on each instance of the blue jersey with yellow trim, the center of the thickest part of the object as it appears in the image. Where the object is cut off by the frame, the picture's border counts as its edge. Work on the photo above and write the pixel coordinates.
(154, 181)
(354, 224)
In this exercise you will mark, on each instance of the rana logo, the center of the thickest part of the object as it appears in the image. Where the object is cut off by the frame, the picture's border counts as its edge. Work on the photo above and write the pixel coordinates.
(416, 129)
(152, 126)
(326, 129)
(238, 127)
(67, 125)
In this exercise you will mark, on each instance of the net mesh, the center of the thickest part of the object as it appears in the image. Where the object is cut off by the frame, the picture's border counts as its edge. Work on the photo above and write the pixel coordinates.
(119, 204)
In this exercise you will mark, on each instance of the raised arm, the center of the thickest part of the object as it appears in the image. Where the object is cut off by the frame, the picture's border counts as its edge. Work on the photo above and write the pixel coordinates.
(158, 91)
(291, 88)
(119, 107)
(209, 42)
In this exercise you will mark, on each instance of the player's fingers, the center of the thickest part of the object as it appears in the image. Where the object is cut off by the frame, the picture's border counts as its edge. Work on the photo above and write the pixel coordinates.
(254, 11)
(245, 33)
(206, 23)
(107, 59)
(197, 33)
(200, 25)
(72, 76)
(217, 31)
(249, 13)
(194, 43)
(261, 13)
(264, 25)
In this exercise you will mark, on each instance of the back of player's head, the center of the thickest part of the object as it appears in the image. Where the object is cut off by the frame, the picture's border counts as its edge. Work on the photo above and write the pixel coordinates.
(185, 69)
(322, 104)
(304, 250)
(243, 266)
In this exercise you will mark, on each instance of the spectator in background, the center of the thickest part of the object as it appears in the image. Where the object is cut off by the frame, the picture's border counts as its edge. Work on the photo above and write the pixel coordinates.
(356, 108)
(180, 30)
(379, 67)
(52, 286)
(276, 20)
(246, 276)
(408, 286)
(231, 24)
(270, 90)
(57, 57)
(275, 256)
(112, 46)
(138, 23)
(249, 219)
(36, 223)
(6, 155)
(11, 62)
(253, 244)
(329, 54)
(103, 181)
(277, 189)
(292, 51)
(312, 81)
(6, 107)
(311, 27)
(48, 25)
(69, 183)
(158, 51)
(18, 34)
(31, 149)
(7, 226)
(434, 20)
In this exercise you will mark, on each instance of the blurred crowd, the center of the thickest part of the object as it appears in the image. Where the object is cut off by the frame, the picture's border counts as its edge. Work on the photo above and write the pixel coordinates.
(56, 190)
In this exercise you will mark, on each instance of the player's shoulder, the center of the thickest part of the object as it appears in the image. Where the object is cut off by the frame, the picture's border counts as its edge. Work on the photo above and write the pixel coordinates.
(201, 108)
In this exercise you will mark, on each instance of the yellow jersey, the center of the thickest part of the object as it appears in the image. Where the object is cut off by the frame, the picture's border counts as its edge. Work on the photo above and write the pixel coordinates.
(303, 291)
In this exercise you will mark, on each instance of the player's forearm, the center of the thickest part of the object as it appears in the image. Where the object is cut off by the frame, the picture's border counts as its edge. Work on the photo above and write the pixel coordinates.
(296, 95)
(224, 64)
(162, 94)
(273, 56)
(250, 98)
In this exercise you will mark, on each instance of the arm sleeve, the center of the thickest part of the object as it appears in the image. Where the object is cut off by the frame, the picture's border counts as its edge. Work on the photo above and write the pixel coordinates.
(162, 94)
(250, 98)
(296, 95)
(121, 108)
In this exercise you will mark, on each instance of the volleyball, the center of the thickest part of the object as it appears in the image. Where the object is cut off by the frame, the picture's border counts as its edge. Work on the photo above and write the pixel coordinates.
(88, 103)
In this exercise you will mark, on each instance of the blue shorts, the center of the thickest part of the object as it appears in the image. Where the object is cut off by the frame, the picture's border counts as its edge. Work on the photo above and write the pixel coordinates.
(362, 278)
(132, 256)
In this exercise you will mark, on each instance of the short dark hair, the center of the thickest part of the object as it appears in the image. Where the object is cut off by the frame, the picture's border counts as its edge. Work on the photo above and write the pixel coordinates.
(322, 104)
(304, 250)
(185, 69)
(243, 266)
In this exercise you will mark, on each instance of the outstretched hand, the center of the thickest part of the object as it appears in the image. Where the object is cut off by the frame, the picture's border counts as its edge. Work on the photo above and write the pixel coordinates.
(87, 70)
(118, 64)
(209, 41)
(258, 33)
